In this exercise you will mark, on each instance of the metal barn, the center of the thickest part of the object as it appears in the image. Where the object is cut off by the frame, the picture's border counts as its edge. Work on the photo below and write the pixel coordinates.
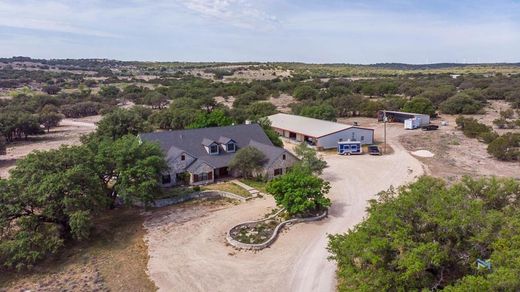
(400, 117)
(319, 133)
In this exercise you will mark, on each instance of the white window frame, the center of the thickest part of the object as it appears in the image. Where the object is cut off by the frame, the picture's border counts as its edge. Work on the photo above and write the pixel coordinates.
(213, 152)
(234, 147)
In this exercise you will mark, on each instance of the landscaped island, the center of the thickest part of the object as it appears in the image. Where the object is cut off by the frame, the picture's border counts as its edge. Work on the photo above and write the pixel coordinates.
(302, 198)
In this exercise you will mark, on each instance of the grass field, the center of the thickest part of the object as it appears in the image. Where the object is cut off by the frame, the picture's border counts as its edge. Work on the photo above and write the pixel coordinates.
(259, 185)
(228, 187)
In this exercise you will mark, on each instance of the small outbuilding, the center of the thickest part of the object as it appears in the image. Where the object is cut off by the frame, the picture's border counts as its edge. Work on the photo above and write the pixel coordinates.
(319, 133)
(401, 117)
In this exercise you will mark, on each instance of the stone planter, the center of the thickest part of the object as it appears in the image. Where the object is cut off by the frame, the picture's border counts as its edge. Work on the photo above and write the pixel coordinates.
(258, 246)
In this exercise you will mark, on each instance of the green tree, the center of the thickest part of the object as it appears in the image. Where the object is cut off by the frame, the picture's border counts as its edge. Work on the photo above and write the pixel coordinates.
(271, 134)
(121, 122)
(127, 168)
(247, 161)
(427, 236)
(419, 105)
(461, 103)
(50, 119)
(216, 118)
(155, 99)
(110, 92)
(322, 111)
(258, 110)
(309, 158)
(299, 192)
(49, 199)
(305, 92)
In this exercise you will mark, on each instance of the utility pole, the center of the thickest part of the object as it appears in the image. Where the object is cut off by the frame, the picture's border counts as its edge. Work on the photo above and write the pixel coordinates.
(384, 122)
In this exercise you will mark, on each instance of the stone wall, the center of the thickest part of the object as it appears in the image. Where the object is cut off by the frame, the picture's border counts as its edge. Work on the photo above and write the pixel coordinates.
(194, 196)
(269, 241)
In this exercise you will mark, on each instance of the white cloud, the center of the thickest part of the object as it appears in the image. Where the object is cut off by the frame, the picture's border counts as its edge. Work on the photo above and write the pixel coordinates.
(240, 13)
(48, 16)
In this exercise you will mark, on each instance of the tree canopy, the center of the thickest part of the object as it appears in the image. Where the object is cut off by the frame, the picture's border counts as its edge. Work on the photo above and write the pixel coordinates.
(247, 161)
(309, 158)
(428, 235)
(299, 192)
(52, 196)
(419, 105)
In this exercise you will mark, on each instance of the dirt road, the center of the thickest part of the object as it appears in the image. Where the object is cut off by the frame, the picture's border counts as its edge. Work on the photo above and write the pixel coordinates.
(68, 133)
(188, 250)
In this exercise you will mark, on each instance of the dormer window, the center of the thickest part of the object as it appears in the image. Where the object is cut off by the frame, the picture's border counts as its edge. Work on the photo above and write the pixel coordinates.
(213, 149)
(211, 146)
(183, 157)
(231, 147)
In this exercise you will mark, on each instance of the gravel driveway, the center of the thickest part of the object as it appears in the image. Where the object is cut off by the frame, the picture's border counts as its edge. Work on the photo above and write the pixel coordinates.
(188, 250)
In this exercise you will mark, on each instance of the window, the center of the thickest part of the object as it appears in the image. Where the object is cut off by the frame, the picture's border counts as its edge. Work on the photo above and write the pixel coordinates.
(278, 171)
(341, 139)
(213, 149)
(183, 157)
(362, 138)
(283, 157)
(166, 179)
(231, 147)
(203, 176)
(353, 136)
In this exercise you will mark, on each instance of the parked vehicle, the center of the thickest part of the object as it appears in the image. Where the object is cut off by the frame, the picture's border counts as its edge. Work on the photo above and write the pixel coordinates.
(411, 124)
(430, 128)
(374, 150)
(349, 147)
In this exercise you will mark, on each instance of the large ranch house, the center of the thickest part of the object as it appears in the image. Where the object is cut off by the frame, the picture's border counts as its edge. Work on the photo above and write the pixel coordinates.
(319, 133)
(202, 156)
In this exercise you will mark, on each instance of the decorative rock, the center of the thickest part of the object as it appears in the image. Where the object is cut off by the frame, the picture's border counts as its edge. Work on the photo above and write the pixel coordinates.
(268, 242)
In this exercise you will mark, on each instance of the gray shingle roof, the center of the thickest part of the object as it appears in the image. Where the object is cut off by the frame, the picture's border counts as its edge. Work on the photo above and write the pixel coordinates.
(190, 140)
(271, 152)
(206, 142)
(224, 140)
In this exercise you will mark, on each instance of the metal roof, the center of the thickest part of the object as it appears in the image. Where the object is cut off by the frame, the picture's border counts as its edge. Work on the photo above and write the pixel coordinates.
(306, 126)
(403, 113)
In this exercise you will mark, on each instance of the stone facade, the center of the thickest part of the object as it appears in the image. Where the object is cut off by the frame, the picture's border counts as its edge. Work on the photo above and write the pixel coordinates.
(280, 163)
(199, 171)
(177, 166)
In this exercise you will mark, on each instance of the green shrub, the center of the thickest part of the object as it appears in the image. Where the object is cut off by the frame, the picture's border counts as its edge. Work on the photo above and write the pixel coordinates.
(420, 105)
(506, 147)
(461, 104)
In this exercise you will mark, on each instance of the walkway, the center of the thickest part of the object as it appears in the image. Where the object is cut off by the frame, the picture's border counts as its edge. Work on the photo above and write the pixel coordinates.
(252, 191)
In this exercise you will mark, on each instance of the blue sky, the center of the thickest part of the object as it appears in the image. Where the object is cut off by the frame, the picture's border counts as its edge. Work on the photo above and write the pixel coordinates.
(331, 31)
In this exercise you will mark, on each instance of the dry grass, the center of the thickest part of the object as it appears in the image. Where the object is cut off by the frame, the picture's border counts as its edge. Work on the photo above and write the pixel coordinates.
(115, 260)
